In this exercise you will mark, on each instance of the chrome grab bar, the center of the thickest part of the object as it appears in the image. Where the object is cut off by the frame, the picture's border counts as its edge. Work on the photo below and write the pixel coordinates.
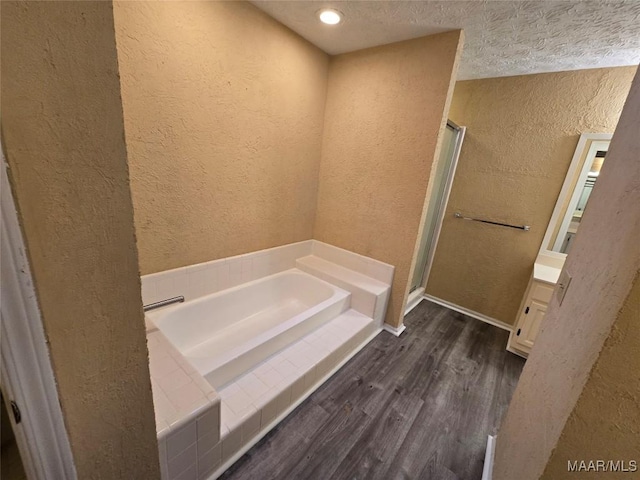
(162, 303)
(526, 228)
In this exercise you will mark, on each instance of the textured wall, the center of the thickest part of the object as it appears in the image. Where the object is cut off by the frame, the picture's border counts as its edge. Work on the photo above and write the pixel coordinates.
(63, 136)
(385, 109)
(605, 423)
(223, 117)
(559, 369)
(521, 135)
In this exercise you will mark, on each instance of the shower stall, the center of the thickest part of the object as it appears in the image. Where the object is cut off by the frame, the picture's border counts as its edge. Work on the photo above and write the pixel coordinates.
(443, 179)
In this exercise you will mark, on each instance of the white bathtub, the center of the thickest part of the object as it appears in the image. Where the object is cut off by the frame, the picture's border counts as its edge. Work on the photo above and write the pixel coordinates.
(227, 333)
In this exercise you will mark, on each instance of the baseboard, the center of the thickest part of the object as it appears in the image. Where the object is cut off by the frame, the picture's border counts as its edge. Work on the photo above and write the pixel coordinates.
(470, 313)
(414, 299)
(394, 330)
(517, 352)
(489, 455)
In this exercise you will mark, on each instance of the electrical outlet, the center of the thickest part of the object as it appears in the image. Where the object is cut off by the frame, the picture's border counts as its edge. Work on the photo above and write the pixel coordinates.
(563, 285)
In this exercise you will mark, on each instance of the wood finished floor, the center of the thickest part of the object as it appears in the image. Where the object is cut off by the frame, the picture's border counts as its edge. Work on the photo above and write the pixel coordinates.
(415, 407)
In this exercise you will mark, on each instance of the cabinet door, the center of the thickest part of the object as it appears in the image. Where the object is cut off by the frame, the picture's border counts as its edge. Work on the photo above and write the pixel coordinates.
(531, 324)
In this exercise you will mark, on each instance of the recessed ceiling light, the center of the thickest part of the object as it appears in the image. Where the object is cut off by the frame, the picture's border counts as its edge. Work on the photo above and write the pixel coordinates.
(330, 16)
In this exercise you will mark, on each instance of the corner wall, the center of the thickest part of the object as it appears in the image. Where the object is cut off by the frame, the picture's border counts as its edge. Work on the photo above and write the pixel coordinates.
(605, 423)
(223, 112)
(386, 107)
(63, 136)
(522, 133)
(581, 381)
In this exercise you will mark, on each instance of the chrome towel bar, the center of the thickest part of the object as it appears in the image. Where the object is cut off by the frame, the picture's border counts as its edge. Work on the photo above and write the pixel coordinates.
(162, 303)
(526, 228)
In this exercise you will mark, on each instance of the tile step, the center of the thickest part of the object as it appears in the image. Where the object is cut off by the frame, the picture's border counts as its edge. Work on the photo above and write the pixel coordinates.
(344, 274)
(251, 403)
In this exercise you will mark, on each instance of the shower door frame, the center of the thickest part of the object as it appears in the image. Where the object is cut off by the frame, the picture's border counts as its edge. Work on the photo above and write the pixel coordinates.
(416, 295)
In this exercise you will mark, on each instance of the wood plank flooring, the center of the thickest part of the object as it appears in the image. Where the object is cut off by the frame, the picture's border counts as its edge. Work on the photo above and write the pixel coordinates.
(415, 407)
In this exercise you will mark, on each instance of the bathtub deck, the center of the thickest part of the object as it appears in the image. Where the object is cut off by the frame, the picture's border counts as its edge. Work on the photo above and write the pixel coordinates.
(418, 406)
(265, 346)
(255, 402)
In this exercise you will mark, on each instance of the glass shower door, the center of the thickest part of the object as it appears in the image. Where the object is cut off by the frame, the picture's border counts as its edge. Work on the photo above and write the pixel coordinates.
(445, 170)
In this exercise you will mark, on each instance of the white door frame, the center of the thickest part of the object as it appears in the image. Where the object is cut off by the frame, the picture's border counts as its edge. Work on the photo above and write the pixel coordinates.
(26, 373)
(567, 190)
(593, 148)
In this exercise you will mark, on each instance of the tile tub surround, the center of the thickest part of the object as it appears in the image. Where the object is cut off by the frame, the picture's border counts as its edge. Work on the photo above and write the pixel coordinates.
(201, 432)
(187, 408)
(368, 295)
(204, 278)
(383, 272)
(204, 431)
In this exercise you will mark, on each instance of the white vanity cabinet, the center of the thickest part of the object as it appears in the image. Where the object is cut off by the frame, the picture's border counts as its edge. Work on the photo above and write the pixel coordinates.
(532, 311)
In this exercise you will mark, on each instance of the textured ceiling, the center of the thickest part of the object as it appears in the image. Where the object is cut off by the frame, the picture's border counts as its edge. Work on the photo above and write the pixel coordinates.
(502, 38)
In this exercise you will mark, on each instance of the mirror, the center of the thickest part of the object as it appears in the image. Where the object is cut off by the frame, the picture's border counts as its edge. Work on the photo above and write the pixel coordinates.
(572, 201)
